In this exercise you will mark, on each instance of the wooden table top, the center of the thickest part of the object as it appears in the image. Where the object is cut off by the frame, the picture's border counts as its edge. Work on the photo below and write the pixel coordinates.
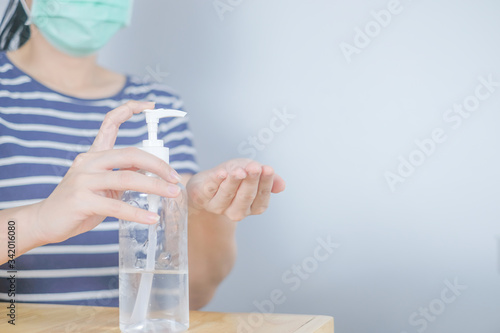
(47, 318)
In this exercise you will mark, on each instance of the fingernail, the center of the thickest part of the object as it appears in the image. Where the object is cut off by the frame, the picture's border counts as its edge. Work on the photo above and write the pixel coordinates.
(173, 190)
(153, 217)
(175, 175)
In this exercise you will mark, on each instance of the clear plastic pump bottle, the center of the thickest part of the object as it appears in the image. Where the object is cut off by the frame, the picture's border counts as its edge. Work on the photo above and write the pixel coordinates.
(154, 283)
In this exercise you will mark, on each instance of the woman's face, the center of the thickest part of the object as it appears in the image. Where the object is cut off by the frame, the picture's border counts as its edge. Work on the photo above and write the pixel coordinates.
(79, 28)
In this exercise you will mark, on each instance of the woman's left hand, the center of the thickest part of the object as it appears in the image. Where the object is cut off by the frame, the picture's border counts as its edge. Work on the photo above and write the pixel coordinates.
(237, 188)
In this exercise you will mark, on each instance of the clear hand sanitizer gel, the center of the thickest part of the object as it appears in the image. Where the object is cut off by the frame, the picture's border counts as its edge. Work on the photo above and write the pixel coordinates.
(153, 258)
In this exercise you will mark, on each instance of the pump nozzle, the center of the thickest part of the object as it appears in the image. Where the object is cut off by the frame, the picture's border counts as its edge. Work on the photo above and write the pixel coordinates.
(153, 145)
(153, 118)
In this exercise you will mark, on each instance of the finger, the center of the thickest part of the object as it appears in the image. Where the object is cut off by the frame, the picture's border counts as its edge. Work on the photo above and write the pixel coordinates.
(208, 187)
(278, 184)
(129, 180)
(121, 210)
(129, 158)
(245, 196)
(106, 136)
(227, 191)
(261, 201)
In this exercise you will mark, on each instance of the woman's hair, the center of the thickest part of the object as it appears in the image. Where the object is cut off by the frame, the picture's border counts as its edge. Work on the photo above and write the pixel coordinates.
(13, 30)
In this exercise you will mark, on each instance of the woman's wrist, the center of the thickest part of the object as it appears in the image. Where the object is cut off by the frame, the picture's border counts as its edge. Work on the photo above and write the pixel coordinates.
(21, 228)
(32, 218)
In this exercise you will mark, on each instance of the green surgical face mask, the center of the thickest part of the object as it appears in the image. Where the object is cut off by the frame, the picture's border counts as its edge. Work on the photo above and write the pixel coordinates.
(80, 27)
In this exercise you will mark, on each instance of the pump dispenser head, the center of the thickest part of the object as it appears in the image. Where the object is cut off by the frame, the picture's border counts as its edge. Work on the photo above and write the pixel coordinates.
(152, 145)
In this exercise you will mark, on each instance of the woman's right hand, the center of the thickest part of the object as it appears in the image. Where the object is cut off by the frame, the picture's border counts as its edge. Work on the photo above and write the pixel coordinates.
(91, 190)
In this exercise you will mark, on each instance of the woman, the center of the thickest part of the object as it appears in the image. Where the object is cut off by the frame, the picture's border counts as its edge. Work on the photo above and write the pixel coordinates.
(53, 98)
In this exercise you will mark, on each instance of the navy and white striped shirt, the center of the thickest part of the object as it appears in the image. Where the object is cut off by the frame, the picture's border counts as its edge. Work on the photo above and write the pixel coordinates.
(41, 132)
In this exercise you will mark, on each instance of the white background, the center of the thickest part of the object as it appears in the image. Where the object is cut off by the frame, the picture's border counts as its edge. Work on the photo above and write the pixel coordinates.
(352, 122)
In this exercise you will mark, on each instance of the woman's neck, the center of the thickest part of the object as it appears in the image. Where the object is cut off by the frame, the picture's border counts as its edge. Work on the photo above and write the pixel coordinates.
(75, 76)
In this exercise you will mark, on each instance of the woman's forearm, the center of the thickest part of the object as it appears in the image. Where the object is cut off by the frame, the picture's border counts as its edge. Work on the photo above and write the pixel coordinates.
(212, 253)
(18, 233)
(218, 198)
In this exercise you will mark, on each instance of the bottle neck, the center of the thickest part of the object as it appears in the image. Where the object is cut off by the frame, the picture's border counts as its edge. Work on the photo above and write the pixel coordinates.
(159, 151)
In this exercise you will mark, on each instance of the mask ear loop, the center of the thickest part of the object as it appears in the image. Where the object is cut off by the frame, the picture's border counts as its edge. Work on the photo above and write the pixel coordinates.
(28, 12)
